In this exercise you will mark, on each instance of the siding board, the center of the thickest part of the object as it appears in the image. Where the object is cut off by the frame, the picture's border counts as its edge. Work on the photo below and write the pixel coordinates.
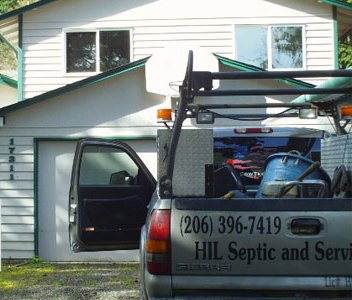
(17, 210)
(15, 253)
(18, 220)
(17, 167)
(13, 237)
(16, 193)
(17, 183)
(18, 141)
(17, 202)
(24, 245)
(18, 158)
(15, 149)
(17, 228)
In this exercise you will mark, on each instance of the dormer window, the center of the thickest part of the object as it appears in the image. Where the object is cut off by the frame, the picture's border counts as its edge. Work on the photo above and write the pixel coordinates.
(271, 47)
(97, 51)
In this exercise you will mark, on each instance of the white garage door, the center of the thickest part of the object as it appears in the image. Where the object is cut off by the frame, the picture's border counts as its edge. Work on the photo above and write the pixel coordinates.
(55, 163)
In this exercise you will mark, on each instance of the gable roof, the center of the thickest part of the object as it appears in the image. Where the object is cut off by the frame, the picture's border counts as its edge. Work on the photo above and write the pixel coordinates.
(246, 67)
(73, 86)
(4, 79)
(339, 3)
(24, 9)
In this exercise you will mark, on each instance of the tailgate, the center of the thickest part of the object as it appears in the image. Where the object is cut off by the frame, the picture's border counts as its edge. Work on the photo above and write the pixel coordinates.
(306, 237)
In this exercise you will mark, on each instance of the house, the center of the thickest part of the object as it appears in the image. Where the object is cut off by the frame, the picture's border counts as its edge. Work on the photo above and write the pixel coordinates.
(82, 73)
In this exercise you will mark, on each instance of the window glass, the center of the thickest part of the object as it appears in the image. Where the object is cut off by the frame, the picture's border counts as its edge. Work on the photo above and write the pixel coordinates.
(102, 165)
(283, 51)
(286, 43)
(81, 52)
(114, 49)
(248, 154)
(251, 45)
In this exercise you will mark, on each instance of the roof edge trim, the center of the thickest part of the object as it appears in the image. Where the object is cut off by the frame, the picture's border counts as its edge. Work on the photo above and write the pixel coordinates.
(4, 79)
(24, 9)
(338, 3)
(250, 68)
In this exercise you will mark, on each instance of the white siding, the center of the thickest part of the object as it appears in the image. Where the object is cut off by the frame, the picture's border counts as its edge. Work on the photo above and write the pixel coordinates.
(156, 24)
(17, 194)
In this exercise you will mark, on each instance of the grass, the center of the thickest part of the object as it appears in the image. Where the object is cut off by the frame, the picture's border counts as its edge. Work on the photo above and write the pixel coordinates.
(36, 280)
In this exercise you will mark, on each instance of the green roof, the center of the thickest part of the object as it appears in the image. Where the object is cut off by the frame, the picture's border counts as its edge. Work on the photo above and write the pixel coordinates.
(24, 9)
(73, 86)
(4, 79)
(339, 3)
(250, 68)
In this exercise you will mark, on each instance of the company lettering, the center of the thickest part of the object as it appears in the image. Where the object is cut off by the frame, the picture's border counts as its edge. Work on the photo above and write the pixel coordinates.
(235, 251)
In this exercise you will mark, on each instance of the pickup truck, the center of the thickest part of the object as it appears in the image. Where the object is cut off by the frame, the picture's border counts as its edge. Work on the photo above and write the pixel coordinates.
(235, 213)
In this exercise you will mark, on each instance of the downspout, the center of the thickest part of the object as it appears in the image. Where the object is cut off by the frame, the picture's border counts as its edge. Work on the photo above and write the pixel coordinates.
(20, 59)
(336, 37)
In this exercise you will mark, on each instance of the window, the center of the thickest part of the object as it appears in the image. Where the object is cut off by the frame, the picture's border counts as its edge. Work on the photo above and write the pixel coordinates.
(270, 47)
(97, 51)
(248, 154)
(107, 166)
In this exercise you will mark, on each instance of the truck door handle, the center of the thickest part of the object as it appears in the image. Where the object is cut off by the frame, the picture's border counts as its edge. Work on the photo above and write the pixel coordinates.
(306, 226)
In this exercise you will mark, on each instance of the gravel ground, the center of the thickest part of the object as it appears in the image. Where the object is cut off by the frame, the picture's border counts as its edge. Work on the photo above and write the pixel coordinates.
(29, 280)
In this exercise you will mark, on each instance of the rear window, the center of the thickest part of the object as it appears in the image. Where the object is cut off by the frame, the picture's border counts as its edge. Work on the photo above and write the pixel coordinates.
(248, 154)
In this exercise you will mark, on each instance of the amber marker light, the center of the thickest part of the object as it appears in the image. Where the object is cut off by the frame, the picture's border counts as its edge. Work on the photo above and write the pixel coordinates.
(164, 115)
(346, 111)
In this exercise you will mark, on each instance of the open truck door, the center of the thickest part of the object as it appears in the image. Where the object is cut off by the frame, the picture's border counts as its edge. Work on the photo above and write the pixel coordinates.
(110, 190)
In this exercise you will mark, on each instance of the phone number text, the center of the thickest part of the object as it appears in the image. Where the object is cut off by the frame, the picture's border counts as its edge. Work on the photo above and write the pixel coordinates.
(210, 225)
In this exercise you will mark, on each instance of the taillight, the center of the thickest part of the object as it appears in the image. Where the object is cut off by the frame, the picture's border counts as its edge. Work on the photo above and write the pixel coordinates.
(158, 243)
(254, 130)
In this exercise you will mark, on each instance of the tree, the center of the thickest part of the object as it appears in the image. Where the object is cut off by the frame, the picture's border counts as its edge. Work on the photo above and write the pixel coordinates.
(345, 48)
(8, 5)
(8, 60)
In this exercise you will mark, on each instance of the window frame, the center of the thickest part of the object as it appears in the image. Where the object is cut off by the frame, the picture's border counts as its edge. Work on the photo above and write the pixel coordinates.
(97, 43)
(269, 45)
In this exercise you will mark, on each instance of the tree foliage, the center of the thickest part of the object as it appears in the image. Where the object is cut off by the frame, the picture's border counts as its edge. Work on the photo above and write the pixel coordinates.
(8, 5)
(8, 59)
(345, 48)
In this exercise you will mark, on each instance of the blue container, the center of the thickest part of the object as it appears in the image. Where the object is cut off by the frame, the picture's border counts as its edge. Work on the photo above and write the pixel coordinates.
(287, 167)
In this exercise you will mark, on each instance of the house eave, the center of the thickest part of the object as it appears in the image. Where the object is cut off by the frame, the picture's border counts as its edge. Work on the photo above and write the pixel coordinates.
(338, 3)
(73, 86)
(20, 11)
